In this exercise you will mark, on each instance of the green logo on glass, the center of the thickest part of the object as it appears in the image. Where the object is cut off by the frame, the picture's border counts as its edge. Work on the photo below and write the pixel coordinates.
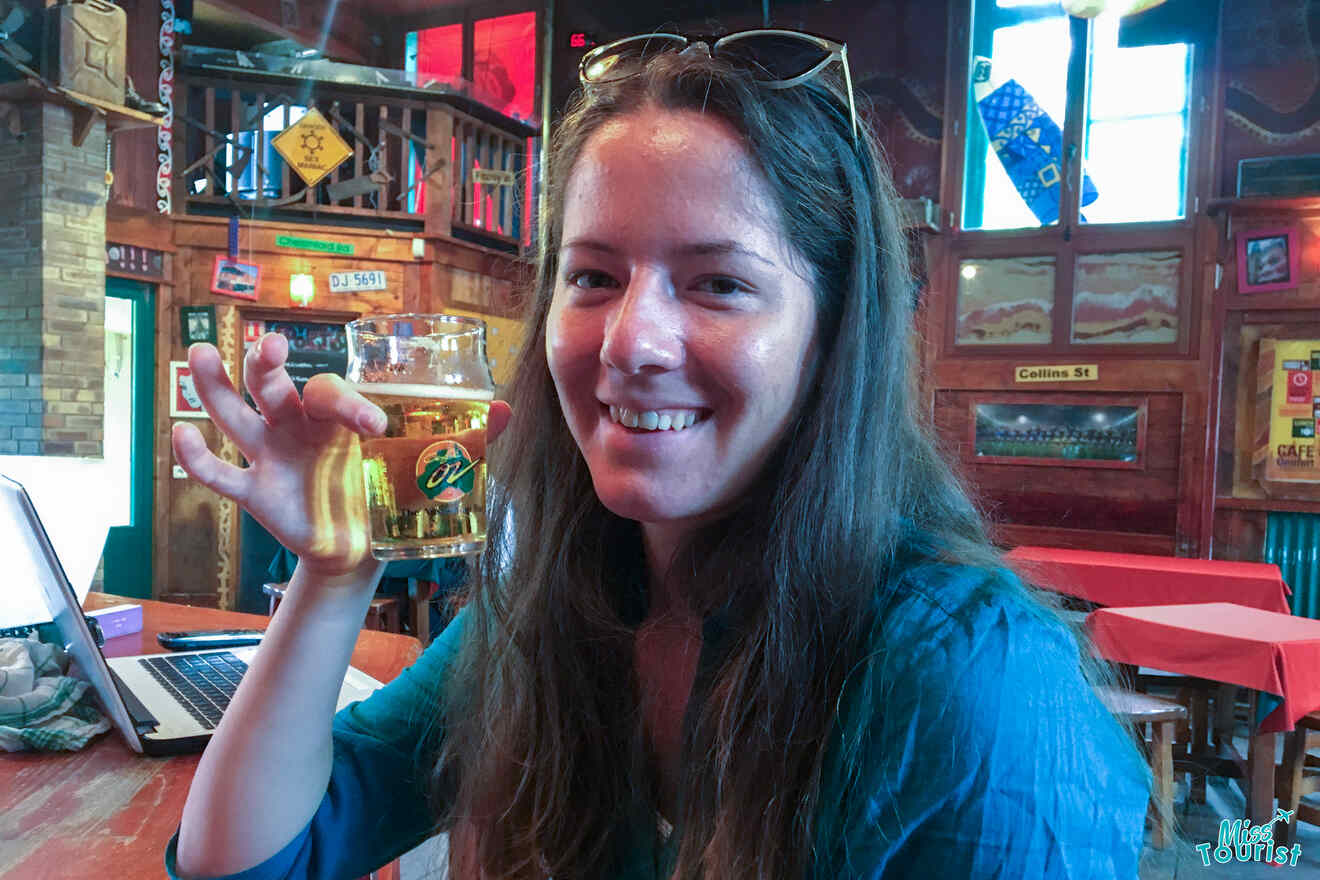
(445, 471)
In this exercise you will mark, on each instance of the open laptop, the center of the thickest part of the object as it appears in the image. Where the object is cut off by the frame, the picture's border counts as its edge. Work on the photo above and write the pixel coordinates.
(162, 704)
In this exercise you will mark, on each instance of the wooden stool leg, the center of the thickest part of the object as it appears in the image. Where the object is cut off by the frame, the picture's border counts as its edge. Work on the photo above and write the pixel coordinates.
(1290, 782)
(1161, 763)
(1198, 742)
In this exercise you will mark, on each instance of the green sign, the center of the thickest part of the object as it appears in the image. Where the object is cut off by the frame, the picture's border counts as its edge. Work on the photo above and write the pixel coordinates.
(313, 244)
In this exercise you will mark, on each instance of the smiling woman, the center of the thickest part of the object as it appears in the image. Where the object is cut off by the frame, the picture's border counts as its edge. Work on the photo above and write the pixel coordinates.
(736, 618)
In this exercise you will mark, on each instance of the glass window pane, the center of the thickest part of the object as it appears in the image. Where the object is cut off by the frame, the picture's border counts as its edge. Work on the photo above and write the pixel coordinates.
(1136, 129)
(504, 63)
(1005, 301)
(118, 449)
(1014, 116)
(1127, 298)
(435, 55)
(1139, 169)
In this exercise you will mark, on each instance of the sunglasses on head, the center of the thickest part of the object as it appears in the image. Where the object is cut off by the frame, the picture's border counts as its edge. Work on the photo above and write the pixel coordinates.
(776, 59)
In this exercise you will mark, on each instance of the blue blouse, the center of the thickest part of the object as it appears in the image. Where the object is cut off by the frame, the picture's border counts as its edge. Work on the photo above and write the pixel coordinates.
(975, 749)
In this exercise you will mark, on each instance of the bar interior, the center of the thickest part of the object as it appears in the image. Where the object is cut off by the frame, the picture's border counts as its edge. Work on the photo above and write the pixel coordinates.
(1112, 213)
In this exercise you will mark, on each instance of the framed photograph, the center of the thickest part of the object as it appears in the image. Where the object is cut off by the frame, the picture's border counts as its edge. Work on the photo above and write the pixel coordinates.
(184, 402)
(232, 278)
(1267, 259)
(1069, 432)
(197, 324)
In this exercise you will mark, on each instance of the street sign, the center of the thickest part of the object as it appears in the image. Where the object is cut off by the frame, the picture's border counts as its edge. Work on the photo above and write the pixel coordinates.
(312, 147)
(351, 282)
(492, 177)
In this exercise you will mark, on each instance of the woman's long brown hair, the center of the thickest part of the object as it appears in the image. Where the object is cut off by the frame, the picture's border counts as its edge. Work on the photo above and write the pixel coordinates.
(542, 756)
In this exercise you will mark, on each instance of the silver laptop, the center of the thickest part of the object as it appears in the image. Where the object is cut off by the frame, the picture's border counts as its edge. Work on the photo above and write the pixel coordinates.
(162, 703)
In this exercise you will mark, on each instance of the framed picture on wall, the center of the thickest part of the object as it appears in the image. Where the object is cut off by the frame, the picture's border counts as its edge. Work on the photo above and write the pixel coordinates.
(1068, 432)
(1268, 259)
(197, 324)
(232, 278)
(184, 400)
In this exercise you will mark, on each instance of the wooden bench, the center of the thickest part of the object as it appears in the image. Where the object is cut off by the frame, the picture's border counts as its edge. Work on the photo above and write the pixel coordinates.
(1163, 716)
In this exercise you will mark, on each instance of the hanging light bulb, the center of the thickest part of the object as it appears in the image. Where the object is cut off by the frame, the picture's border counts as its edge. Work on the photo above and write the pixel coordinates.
(301, 289)
(1092, 8)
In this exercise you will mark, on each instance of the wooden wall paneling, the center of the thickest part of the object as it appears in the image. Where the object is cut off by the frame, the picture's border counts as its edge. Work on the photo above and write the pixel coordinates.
(416, 293)
(1239, 534)
(1011, 535)
(1146, 374)
(1099, 500)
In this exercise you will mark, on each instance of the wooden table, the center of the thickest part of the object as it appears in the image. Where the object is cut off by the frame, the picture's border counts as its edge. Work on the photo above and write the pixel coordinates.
(1268, 652)
(1133, 579)
(104, 812)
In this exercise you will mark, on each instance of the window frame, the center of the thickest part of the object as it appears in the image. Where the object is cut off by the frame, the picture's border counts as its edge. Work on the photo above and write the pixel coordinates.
(1069, 239)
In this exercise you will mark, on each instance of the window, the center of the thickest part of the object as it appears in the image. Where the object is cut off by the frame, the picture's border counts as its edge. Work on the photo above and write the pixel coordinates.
(1071, 206)
(503, 60)
(248, 183)
(1134, 108)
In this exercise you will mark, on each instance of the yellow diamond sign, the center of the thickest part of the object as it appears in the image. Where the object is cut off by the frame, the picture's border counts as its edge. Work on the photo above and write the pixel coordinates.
(312, 147)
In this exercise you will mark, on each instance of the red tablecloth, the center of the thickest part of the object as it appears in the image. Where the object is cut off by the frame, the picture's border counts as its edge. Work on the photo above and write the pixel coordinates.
(1130, 579)
(1275, 653)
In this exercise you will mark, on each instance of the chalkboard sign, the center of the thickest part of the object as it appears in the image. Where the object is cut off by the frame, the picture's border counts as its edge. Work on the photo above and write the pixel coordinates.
(313, 347)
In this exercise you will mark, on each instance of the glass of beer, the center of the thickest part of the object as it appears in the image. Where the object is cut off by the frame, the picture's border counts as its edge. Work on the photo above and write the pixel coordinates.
(426, 475)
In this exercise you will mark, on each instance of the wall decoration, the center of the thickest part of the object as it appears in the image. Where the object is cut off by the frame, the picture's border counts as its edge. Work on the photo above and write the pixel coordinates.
(313, 347)
(184, 400)
(1268, 259)
(232, 278)
(133, 260)
(197, 324)
(1059, 433)
(358, 280)
(1288, 376)
(165, 89)
(1005, 301)
(1127, 298)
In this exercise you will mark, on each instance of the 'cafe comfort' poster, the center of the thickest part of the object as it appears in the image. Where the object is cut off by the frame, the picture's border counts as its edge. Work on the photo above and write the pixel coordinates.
(1290, 371)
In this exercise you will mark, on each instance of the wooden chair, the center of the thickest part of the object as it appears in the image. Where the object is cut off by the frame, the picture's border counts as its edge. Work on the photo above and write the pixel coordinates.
(385, 612)
(1162, 716)
(1299, 775)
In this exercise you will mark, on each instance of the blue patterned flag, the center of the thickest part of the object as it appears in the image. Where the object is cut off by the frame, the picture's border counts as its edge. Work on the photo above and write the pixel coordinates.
(1029, 144)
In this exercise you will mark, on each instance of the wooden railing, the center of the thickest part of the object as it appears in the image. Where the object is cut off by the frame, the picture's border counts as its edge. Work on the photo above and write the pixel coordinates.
(416, 161)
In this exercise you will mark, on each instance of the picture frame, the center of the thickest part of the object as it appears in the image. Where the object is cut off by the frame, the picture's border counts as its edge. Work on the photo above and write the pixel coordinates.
(232, 278)
(1057, 431)
(197, 324)
(184, 401)
(1268, 259)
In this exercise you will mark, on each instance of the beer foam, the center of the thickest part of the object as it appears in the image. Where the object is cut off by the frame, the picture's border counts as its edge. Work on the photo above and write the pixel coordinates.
(431, 392)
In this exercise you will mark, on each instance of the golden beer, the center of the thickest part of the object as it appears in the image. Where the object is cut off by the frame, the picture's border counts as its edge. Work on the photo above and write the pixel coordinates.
(425, 476)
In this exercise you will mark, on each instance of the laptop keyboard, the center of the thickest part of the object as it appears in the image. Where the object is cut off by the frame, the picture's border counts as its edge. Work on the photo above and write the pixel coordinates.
(202, 683)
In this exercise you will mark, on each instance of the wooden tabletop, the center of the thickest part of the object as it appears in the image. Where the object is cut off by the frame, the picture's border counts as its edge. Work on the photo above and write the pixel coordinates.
(105, 812)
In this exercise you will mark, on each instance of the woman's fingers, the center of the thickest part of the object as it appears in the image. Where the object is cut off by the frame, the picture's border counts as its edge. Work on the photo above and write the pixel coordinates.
(268, 382)
(222, 402)
(328, 398)
(498, 420)
(194, 457)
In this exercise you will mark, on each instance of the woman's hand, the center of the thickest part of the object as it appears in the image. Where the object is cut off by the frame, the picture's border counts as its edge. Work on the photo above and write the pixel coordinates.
(304, 478)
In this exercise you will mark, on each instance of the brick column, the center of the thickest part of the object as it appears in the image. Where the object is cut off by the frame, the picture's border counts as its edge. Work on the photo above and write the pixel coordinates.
(52, 286)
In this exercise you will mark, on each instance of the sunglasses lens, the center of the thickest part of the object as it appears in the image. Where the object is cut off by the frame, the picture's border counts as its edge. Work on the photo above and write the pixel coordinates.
(624, 58)
(774, 57)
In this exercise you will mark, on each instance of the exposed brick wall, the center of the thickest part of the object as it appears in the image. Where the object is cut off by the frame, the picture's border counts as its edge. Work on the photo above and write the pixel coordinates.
(52, 286)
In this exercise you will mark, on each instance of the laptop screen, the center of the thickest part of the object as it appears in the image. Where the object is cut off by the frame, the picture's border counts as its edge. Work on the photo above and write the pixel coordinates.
(76, 509)
(28, 550)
